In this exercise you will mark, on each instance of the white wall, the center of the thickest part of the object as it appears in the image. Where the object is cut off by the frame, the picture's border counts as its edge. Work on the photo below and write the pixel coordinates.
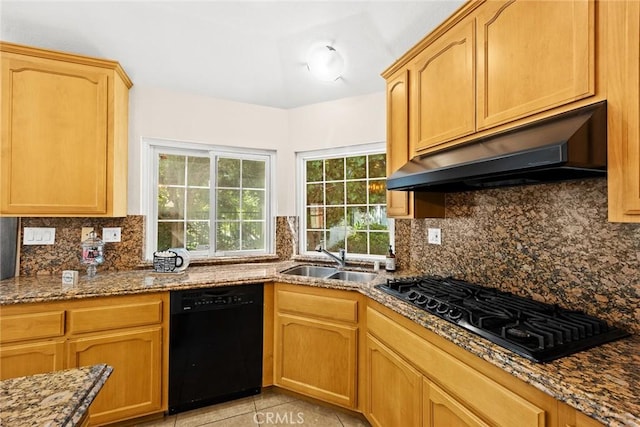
(159, 113)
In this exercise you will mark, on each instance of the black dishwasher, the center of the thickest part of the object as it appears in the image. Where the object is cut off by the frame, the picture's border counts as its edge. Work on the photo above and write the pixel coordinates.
(215, 345)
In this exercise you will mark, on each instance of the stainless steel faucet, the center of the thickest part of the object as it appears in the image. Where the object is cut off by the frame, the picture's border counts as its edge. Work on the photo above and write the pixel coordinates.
(341, 259)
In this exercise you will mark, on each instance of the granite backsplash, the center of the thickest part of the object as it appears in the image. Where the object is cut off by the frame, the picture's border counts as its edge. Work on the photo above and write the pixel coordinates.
(550, 242)
(66, 252)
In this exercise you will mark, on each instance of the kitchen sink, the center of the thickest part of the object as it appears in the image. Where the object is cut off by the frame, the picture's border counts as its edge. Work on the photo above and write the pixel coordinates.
(311, 271)
(321, 272)
(353, 276)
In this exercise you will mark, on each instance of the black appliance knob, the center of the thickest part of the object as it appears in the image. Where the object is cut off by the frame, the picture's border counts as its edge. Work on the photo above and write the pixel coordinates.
(455, 314)
(442, 308)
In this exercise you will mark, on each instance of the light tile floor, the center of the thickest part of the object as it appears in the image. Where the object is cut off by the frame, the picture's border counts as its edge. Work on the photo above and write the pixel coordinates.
(271, 408)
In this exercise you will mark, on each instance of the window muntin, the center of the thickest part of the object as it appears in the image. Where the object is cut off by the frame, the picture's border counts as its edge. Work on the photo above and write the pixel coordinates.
(344, 202)
(212, 202)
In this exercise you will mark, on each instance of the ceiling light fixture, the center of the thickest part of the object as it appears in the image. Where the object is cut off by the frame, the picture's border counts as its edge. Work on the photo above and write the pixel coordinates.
(325, 63)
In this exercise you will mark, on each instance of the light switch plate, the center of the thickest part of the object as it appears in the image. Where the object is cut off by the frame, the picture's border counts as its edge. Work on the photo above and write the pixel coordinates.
(111, 234)
(39, 236)
(85, 233)
(435, 236)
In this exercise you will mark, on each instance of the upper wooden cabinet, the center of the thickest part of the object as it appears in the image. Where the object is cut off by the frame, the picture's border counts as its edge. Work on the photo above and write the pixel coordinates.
(496, 62)
(495, 65)
(444, 89)
(64, 134)
(404, 204)
(623, 109)
(533, 56)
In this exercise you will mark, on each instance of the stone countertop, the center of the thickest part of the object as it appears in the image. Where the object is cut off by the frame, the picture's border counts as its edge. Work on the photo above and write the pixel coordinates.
(603, 382)
(59, 398)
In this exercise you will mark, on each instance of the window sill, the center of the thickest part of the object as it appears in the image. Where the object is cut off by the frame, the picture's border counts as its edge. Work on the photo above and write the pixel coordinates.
(221, 260)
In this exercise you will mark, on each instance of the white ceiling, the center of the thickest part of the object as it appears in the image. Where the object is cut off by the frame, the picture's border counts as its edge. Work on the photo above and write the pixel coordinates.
(246, 51)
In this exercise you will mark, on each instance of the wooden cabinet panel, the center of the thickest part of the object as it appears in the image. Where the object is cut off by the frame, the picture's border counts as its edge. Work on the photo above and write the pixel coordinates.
(318, 306)
(29, 326)
(69, 105)
(533, 56)
(569, 417)
(317, 358)
(404, 204)
(20, 360)
(441, 409)
(64, 134)
(393, 388)
(135, 386)
(398, 139)
(316, 342)
(623, 110)
(128, 333)
(479, 392)
(443, 97)
(109, 317)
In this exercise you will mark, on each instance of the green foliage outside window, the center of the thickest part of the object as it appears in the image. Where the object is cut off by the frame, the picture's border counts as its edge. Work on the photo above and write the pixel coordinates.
(345, 201)
(186, 194)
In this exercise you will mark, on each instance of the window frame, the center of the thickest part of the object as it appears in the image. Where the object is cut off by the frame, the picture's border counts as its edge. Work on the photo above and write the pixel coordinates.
(322, 154)
(149, 187)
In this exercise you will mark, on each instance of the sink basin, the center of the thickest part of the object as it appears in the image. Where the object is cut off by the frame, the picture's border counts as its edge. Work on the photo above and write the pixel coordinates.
(321, 272)
(311, 271)
(353, 276)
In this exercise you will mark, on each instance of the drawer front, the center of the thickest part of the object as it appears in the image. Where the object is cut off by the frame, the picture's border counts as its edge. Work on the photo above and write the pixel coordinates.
(485, 396)
(323, 307)
(114, 317)
(32, 326)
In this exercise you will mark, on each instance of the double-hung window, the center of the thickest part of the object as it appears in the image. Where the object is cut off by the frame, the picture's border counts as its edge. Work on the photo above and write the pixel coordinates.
(343, 200)
(213, 201)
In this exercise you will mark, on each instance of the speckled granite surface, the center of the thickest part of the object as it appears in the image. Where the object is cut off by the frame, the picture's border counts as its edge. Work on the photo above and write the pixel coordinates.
(66, 253)
(549, 242)
(59, 398)
(603, 382)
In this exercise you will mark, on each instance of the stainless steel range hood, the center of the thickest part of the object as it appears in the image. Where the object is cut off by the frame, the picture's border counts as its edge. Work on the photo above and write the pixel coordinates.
(572, 145)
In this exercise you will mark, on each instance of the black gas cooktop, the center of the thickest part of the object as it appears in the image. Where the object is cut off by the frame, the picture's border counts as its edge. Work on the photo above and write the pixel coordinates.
(535, 330)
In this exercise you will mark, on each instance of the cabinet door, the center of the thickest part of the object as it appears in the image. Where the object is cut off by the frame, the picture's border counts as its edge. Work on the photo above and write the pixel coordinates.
(533, 56)
(443, 98)
(441, 409)
(316, 358)
(54, 137)
(404, 204)
(394, 395)
(623, 110)
(20, 360)
(398, 139)
(134, 388)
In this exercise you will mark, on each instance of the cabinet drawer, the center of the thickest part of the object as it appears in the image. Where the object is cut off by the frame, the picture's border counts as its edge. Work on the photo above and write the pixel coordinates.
(485, 396)
(32, 326)
(114, 317)
(323, 307)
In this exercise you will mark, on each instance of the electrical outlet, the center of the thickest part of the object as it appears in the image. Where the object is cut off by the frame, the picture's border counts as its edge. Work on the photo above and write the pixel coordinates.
(435, 236)
(85, 233)
(111, 234)
(39, 236)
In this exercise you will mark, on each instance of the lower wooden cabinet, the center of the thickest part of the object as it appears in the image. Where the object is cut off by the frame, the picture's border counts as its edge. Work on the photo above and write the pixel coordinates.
(393, 388)
(442, 409)
(435, 386)
(316, 342)
(128, 333)
(20, 360)
(135, 385)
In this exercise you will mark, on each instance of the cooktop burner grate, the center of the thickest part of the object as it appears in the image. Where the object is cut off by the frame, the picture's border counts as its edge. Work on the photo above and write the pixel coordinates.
(538, 331)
